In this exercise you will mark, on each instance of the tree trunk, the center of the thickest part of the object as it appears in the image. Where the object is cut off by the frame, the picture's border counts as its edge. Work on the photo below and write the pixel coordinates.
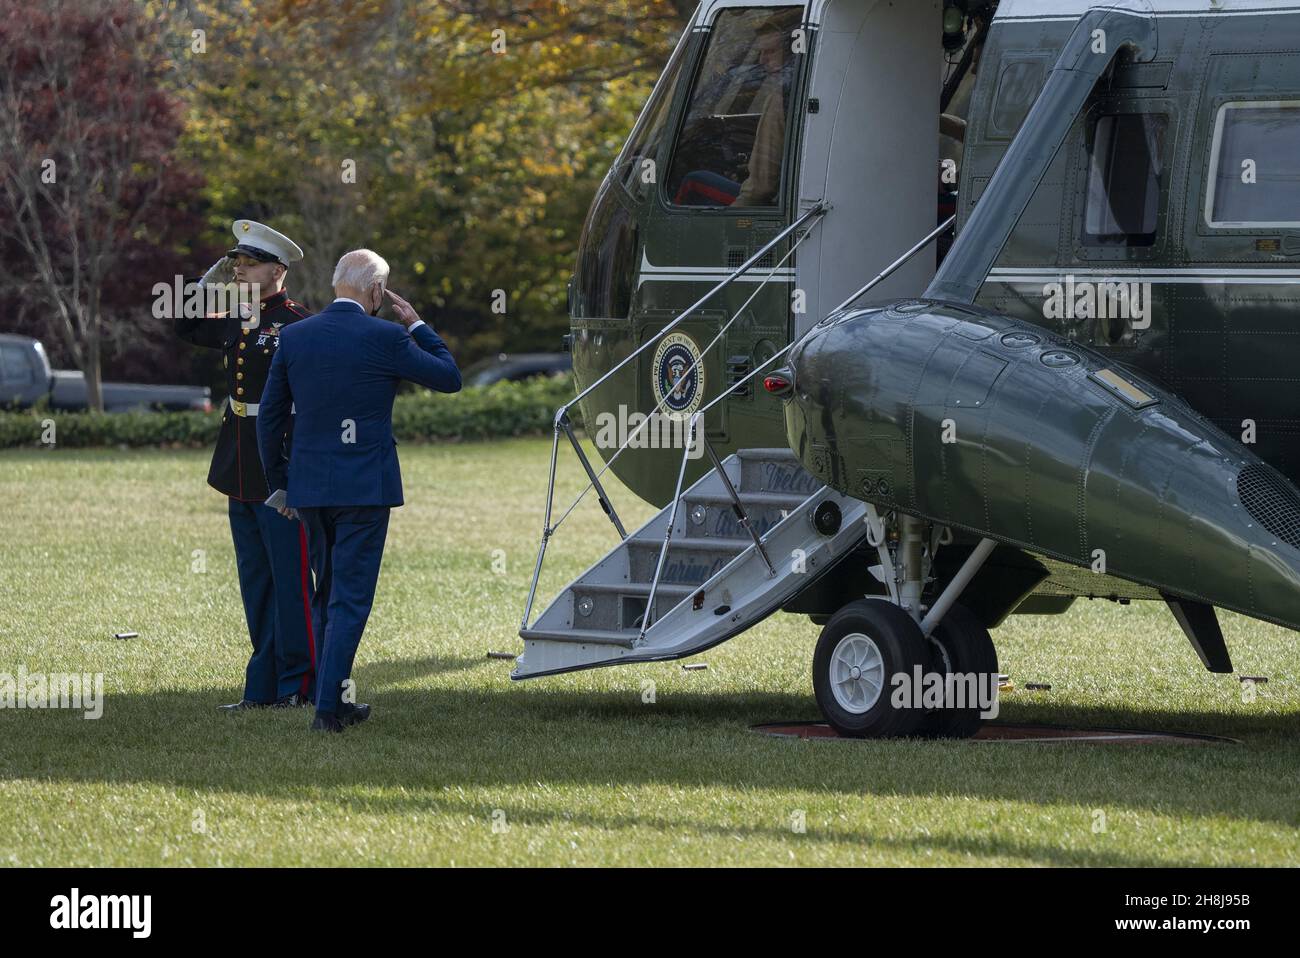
(94, 383)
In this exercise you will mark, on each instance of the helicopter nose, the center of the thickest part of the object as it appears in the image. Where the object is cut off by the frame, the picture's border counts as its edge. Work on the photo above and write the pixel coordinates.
(1000, 427)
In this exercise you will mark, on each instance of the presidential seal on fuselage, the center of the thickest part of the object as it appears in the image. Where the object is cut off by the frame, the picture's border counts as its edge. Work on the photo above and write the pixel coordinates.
(678, 387)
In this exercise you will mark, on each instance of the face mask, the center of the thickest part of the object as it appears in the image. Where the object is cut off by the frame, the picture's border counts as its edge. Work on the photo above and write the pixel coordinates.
(379, 305)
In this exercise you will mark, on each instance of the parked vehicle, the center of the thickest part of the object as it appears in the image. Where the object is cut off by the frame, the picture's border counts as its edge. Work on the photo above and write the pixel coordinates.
(26, 378)
(517, 367)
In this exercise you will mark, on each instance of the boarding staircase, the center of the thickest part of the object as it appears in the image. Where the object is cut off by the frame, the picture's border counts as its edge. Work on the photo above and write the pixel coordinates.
(744, 540)
(724, 554)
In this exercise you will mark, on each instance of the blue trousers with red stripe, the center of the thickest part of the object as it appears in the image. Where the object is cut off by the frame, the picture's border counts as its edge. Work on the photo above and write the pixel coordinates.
(275, 582)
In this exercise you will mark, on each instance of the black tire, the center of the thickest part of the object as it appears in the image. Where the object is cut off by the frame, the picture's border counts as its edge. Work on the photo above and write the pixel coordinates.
(960, 643)
(900, 646)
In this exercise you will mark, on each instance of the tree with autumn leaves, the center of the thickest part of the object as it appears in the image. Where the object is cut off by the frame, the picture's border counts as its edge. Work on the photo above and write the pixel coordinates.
(463, 139)
(94, 201)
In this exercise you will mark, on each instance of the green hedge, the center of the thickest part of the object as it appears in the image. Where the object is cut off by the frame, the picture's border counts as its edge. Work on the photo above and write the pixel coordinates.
(503, 409)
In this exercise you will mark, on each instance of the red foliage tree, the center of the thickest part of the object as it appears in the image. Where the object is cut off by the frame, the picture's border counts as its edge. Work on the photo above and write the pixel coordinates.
(95, 207)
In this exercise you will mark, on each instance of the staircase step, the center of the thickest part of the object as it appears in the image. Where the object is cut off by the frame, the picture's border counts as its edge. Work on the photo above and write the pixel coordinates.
(775, 472)
(633, 588)
(622, 604)
(781, 500)
(691, 560)
(624, 638)
(764, 509)
(776, 452)
(702, 543)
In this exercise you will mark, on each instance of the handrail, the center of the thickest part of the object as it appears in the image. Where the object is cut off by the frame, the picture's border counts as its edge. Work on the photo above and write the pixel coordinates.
(817, 209)
(697, 418)
(696, 421)
(689, 370)
(880, 277)
(562, 420)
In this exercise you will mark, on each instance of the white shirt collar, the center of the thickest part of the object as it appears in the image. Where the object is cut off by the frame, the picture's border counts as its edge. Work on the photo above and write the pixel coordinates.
(344, 299)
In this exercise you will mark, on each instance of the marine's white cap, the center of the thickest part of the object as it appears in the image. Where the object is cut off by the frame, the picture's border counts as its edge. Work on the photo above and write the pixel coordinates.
(261, 242)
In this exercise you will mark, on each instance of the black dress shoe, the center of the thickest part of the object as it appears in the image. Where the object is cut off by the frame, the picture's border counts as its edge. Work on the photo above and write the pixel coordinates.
(324, 722)
(353, 714)
(243, 705)
(294, 701)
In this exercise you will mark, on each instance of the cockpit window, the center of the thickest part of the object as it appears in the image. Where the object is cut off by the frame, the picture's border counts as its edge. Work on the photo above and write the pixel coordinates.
(1125, 174)
(1253, 181)
(732, 142)
(637, 165)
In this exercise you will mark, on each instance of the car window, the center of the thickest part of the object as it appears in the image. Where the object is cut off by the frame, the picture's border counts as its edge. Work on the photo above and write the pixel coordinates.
(14, 368)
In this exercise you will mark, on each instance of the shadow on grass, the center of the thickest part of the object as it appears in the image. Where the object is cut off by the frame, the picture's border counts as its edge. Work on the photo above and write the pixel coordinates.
(387, 673)
(424, 746)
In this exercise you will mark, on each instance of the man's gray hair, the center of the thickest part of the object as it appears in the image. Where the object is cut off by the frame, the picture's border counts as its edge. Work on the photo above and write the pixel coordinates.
(360, 269)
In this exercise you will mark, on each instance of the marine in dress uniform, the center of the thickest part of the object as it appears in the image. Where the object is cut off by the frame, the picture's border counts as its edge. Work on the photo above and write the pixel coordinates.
(270, 550)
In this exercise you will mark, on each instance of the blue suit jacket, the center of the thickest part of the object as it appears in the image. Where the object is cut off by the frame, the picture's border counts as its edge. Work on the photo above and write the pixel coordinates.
(337, 368)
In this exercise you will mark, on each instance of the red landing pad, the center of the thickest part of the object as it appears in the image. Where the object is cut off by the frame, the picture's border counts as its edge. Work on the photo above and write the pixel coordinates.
(997, 732)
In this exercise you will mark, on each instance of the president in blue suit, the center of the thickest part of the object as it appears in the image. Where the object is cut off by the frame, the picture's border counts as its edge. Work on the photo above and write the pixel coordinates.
(338, 372)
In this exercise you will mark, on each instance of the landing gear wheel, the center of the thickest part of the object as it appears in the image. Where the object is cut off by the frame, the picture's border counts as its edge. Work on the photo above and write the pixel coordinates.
(960, 644)
(860, 649)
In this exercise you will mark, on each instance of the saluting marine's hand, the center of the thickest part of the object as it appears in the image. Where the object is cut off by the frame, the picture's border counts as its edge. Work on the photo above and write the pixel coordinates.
(219, 273)
(405, 311)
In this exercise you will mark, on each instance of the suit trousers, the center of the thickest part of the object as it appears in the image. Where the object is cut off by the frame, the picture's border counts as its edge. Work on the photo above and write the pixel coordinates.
(346, 545)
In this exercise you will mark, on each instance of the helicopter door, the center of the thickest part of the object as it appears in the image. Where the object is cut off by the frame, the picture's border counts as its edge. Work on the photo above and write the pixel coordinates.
(725, 191)
(870, 149)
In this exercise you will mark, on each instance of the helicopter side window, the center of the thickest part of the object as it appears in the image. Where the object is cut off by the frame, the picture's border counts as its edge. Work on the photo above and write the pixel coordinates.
(1125, 175)
(732, 142)
(1253, 179)
(606, 258)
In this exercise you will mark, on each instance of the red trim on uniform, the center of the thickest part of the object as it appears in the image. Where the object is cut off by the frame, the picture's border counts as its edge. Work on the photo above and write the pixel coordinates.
(306, 607)
(239, 460)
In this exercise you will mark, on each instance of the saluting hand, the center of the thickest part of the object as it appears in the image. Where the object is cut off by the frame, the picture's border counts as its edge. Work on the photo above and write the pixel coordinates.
(405, 311)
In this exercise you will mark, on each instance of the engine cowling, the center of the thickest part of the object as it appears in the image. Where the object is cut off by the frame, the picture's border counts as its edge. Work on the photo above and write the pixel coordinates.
(1001, 428)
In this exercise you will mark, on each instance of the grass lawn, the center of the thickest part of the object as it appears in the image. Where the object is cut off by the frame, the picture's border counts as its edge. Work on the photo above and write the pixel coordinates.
(461, 766)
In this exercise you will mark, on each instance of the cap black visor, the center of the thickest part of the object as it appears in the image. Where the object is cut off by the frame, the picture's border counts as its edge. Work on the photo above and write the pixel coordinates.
(258, 254)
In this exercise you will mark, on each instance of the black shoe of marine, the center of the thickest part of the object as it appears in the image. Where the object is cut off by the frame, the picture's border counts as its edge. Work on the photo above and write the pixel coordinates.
(353, 714)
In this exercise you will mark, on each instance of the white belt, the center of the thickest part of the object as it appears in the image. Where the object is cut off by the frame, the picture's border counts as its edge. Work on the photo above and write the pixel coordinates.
(250, 408)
